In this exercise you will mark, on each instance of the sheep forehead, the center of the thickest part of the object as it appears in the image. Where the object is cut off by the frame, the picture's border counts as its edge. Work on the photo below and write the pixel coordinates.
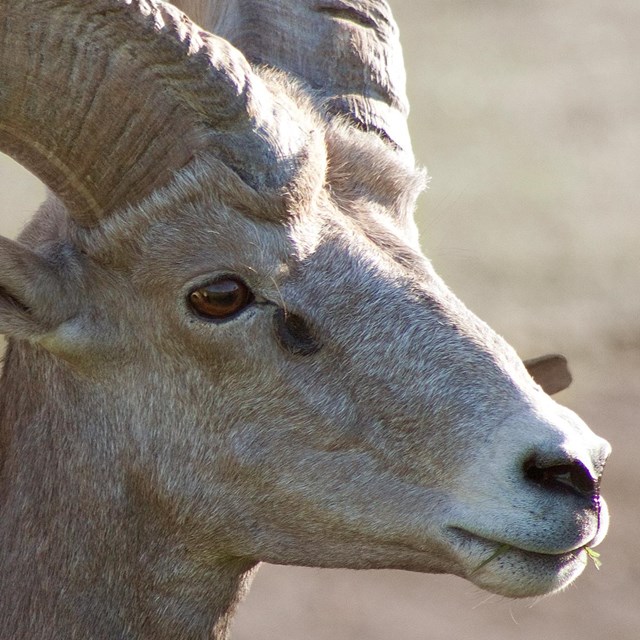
(192, 237)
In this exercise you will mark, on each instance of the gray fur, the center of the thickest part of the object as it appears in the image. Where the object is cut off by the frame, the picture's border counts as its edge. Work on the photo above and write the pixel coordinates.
(151, 459)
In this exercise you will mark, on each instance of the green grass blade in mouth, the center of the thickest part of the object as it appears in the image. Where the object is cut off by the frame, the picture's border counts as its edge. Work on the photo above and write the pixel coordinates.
(496, 554)
(595, 556)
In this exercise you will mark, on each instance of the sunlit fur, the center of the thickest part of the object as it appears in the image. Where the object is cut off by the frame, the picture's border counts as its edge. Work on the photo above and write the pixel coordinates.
(151, 459)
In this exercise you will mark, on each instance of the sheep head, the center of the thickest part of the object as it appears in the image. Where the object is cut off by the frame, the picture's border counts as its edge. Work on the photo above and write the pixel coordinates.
(228, 275)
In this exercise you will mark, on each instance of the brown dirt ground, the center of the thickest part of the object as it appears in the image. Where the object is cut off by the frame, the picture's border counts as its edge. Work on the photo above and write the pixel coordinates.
(528, 118)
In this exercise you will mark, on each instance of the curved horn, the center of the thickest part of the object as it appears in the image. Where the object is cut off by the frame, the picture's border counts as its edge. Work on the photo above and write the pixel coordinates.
(347, 50)
(104, 100)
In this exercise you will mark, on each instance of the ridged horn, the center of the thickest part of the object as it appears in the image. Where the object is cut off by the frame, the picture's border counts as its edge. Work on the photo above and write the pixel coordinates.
(347, 50)
(104, 100)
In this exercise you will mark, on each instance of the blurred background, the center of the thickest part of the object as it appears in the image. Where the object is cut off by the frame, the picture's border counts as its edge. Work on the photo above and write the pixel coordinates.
(527, 116)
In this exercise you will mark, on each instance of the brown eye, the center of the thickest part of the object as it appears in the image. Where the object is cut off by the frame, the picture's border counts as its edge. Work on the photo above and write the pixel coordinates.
(220, 299)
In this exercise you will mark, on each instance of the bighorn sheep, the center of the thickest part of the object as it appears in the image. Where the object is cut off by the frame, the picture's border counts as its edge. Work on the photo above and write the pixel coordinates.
(224, 344)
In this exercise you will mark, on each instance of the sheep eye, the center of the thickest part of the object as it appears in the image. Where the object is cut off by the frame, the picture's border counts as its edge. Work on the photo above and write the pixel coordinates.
(220, 299)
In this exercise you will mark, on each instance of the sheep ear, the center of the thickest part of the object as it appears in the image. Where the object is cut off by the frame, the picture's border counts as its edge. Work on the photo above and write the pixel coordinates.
(551, 372)
(32, 300)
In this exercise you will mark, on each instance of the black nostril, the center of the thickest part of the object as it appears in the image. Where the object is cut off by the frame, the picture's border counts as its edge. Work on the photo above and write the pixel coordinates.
(572, 476)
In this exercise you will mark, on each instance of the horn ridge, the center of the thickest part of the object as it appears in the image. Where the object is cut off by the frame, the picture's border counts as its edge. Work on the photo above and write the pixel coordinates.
(105, 100)
(347, 51)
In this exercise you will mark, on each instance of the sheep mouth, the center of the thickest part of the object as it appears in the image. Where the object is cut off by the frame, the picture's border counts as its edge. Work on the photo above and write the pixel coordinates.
(467, 537)
(510, 570)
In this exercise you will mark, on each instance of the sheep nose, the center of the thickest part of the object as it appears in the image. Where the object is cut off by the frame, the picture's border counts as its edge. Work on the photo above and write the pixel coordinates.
(567, 459)
(562, 476)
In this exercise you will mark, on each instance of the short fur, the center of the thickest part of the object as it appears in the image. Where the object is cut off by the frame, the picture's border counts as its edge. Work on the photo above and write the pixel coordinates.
(352, 414)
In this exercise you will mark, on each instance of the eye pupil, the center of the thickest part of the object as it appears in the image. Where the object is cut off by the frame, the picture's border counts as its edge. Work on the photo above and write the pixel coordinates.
(220, 299)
